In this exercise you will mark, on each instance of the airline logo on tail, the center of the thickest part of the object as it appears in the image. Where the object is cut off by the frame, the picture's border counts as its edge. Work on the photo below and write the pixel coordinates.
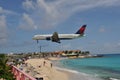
(81, 30)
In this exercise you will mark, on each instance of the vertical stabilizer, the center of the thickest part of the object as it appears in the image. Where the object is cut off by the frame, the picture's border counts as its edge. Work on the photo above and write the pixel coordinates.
(81, 30)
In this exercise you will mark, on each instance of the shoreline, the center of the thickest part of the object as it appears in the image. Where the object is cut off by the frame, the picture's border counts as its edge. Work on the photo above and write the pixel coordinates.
(39, 68)
(75, 75)
(54, 72)
(78, 75)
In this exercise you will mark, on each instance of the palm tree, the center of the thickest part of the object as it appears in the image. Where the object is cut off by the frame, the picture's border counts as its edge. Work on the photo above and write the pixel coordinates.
(5, 70)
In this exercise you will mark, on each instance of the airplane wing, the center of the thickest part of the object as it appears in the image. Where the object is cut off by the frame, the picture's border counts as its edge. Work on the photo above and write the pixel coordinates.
(55, 37)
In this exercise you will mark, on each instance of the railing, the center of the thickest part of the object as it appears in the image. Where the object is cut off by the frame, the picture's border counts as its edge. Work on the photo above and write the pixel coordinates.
(20, 75)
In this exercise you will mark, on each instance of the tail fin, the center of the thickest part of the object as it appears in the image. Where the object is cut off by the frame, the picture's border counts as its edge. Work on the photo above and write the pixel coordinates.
(81, 30)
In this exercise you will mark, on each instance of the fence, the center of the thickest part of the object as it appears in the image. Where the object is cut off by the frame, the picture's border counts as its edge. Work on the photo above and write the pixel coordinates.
(20, 75)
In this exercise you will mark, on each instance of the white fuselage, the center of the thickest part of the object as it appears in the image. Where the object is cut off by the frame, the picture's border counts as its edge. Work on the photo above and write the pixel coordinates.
(61, 36)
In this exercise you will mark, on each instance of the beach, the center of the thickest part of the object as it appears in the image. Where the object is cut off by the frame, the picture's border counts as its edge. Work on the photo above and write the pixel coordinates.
(74, 69)
(41, 68)
(50, 69)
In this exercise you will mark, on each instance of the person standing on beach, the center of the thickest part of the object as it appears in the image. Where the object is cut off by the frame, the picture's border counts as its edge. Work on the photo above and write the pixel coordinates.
(51, 65)
(21, 66)
(44, 63)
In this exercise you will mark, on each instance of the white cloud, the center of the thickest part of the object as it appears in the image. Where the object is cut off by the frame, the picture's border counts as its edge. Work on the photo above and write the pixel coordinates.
(3, 29)
(118, 44)
(28, 5)
(27, 22)
(47, 14)
(102, 30)
(93, 42)
(111, 47)
(4, 11)
(65, 46)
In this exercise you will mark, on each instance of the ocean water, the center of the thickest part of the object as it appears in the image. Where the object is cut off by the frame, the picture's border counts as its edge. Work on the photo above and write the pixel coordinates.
(103, 68)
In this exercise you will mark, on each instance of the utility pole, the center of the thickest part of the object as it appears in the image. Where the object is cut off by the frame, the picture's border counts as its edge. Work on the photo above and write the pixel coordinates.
(40, 48)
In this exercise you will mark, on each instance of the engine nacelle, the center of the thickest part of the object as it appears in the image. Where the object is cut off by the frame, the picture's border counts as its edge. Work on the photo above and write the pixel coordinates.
(48, 38)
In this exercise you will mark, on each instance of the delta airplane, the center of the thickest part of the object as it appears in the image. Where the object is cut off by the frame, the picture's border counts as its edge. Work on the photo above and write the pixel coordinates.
(55, 37)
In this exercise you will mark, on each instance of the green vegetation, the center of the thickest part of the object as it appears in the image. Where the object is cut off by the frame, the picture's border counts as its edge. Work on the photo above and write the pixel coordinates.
(5, 70)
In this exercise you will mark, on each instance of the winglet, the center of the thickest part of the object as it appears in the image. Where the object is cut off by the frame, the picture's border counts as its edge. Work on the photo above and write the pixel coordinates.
(81, 30)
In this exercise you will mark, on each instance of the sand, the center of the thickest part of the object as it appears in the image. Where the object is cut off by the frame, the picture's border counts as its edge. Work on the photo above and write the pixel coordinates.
(44, 68)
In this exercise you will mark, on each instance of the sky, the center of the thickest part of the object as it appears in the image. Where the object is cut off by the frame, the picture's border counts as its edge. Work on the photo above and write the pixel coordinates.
(20, 20)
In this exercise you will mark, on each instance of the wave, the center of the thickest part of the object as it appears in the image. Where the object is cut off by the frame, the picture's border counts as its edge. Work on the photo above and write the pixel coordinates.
(79, 75)
(113, 79)
(68, 70)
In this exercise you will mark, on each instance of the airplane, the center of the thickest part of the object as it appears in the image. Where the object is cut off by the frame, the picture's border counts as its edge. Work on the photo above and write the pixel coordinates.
(55, 37)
